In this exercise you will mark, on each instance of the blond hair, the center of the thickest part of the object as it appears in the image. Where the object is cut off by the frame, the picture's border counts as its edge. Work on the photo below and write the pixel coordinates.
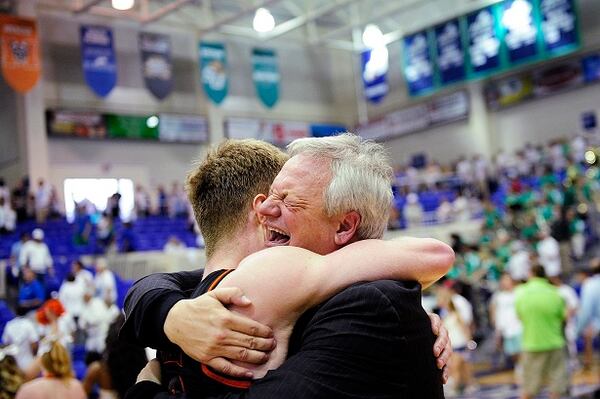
(222, 186)
(57, 361)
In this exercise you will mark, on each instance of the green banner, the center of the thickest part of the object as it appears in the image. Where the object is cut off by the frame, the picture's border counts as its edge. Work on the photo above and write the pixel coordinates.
(266, 76)
(213, 71)
(131, 127)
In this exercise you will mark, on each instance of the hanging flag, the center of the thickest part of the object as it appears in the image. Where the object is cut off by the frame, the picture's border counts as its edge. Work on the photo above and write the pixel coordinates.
(156, 63)
(20, 52)
(374, 69)
(213, 71)
(98, 58)
(266, 76)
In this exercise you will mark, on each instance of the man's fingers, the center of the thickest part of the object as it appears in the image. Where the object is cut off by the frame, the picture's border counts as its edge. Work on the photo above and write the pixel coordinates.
(445, 375)
(224, 366)
(441, 342)
(436, 322)
(247, 326)
(444, 357)
(245, 355)
(250, 342)
(230, 295)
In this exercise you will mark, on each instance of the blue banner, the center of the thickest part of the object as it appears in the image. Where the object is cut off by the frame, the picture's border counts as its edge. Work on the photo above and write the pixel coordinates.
(449, 52)
(265, 75)
(559, 24)
(521, 32)
(320, 130)
(374, 73)
(98, 58)
(484, 44)
(213, 71)
(157, 69)
(418, 65)
(591, 67)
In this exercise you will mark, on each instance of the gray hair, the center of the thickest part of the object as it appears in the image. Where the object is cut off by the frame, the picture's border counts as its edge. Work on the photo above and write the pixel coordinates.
(361, 178)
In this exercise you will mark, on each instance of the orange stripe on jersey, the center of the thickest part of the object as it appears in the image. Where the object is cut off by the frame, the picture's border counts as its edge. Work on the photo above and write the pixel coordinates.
(218, 279)
(224, 380)
(241, 384)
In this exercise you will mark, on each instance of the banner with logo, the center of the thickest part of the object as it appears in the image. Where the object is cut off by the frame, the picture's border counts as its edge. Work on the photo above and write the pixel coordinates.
(98, 59)
(157, 69)
(450, 54)
(183, 128)
(265, 75)
(418, 64)
(213, 71)
(559, 24)
(374, 69)
(19, 48)
(435, 112)
(81, 124)
(520, 30)
(483, 41)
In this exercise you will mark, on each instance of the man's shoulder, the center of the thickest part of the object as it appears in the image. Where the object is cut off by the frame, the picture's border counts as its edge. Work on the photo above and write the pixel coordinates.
(381, 295)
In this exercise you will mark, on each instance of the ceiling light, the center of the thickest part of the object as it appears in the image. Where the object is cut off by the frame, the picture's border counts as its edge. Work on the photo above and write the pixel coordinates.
(263, 21)
(372, 36)
(122, 5)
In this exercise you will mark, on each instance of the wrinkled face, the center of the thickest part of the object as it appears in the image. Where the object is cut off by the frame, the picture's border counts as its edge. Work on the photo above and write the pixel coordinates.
(294, 211)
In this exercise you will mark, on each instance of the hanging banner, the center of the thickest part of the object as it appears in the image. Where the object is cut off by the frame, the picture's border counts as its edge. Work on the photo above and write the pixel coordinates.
(19, 48)
(98, 59)
(484, 44)
(559, 25)
(374, 69)
(449, 52)
(156, 63)
(213, 71)
(418, 65)
(521, 30)
(266, 76)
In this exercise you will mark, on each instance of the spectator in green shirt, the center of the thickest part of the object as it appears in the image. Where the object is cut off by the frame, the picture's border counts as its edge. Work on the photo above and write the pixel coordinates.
(542, 311)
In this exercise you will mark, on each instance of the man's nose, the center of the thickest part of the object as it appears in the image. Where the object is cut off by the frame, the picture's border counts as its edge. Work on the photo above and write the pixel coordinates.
(269, 208)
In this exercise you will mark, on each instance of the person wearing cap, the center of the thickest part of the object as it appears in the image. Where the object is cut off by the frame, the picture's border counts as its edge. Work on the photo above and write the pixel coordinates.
(36, 255)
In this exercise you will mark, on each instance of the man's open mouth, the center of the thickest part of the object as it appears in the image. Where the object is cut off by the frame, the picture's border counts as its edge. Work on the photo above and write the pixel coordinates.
(277, 237)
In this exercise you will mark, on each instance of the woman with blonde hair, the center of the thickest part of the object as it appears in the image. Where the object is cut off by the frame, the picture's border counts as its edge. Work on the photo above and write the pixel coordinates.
(57, 381)
(11, 377)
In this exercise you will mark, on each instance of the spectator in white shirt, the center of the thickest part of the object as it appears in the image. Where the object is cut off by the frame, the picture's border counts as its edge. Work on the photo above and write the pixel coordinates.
(36, 255)
(174, 246)
(8, 217)
(413, 211)
(519, 263)
(503, 314)
(70, 295)
(105, 282)
(83, 277)
(22, 333)
(42, 201)
(549, 253)
(95, 320)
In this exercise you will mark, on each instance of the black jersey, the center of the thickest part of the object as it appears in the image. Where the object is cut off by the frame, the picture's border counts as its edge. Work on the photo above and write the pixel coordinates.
(183, 375)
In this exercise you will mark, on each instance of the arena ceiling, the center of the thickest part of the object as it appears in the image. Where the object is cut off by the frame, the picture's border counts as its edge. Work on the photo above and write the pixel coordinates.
(331, 23)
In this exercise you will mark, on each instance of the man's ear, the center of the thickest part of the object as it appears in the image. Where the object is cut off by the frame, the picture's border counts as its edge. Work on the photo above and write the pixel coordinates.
(256, 203)
(347, 228)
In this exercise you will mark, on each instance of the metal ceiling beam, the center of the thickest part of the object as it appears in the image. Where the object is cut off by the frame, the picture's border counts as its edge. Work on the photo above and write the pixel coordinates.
(382, 14)
(297, 22)
(86, 6)
(232, 18)
(164, 11)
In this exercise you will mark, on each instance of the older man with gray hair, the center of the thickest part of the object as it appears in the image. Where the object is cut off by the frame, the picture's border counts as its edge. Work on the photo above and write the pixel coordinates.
(372, 339)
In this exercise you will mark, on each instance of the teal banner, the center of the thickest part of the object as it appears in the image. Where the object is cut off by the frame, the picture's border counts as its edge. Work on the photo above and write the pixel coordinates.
(266, 76)
(489, 41)
(213, 71)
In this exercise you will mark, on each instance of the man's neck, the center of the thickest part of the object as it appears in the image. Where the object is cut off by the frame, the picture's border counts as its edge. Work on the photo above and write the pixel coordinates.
(227, 256)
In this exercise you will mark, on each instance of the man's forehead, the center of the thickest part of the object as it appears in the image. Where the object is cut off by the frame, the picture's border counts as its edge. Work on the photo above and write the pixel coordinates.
(300, 168)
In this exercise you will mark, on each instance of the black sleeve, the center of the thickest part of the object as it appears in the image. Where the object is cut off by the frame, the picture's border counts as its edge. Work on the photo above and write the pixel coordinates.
(148, 302)
(371, 340)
